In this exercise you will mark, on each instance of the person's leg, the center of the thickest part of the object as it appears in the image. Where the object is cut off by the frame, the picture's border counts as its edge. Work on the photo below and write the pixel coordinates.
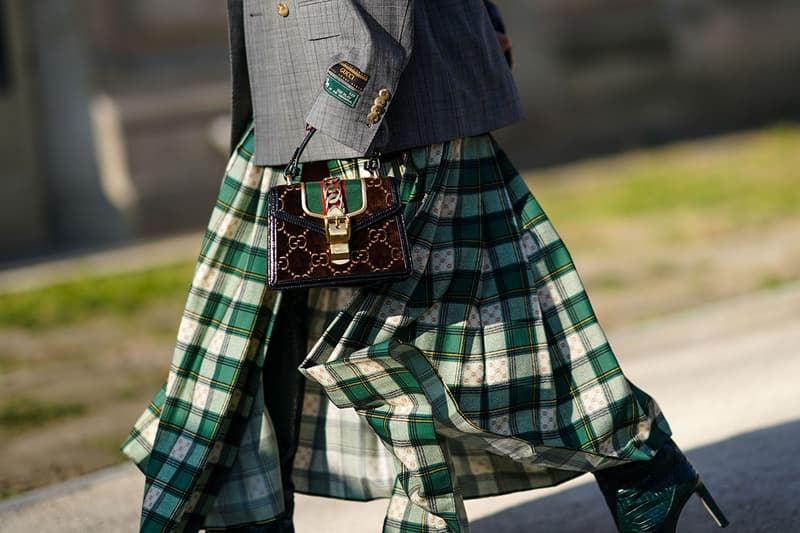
(283, 391)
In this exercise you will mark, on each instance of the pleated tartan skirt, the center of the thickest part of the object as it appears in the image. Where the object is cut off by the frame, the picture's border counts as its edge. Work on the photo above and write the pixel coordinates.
(485, 372)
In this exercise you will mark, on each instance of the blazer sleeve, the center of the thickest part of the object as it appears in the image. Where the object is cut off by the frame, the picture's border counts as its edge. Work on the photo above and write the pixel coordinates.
(361, 78)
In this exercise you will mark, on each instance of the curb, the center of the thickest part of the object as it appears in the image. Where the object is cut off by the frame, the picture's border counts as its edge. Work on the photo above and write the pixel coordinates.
(66, 487)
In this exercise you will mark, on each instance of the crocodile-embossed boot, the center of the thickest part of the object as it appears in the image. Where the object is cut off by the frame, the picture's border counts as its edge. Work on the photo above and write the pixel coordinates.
(648, 496)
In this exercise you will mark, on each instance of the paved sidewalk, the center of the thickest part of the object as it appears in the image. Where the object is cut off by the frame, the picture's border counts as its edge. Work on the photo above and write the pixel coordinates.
(724, 374)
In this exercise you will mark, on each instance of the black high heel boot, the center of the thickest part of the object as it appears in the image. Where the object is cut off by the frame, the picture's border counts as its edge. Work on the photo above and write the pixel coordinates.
(648, 496)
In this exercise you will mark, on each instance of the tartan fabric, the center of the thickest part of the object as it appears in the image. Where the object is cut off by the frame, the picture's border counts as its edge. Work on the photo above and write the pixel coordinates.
(484, 373)
(198, 438)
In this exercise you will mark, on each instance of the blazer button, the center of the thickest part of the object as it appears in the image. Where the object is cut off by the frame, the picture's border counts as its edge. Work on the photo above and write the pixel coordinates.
(377, 109)
(283, 9)
(373, 118)
(380, 101)
(385, 94)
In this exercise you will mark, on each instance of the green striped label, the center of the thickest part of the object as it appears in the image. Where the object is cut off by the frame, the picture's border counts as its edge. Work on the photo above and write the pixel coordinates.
(340, 91)
(353, 198)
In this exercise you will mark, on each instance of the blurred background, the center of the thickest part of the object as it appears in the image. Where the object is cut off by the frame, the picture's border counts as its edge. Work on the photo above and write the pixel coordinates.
(661, 137)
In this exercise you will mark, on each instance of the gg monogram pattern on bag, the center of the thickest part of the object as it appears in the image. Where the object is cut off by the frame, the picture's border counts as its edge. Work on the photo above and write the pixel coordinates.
(299, 251)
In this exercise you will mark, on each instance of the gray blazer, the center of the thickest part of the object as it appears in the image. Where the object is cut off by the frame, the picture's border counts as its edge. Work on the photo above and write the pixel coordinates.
(368, 74)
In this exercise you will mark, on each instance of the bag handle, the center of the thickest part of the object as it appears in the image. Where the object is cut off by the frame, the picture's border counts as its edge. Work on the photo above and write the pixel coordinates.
(291, 169)
(372, 165)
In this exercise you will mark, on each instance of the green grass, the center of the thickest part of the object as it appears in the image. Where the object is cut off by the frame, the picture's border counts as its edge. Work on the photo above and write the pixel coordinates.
(26, 412)
(8, 493)
(750, 178)
(771, 280)
(9, 362)
(110, 447)
(119, 295)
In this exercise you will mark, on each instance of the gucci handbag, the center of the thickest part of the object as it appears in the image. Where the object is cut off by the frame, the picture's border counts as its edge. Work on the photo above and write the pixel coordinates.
(335, 232)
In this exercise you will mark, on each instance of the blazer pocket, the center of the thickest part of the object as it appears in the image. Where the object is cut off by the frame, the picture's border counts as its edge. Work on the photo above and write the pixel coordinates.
(321, 18)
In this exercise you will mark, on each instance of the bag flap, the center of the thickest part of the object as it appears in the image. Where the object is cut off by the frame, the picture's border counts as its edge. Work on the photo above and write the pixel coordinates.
(294, 198)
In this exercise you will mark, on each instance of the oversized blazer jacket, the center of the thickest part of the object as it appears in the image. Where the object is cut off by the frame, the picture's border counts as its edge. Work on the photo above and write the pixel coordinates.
(368, 74)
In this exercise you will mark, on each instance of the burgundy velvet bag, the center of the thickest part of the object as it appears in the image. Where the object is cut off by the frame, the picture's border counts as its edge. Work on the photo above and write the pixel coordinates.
(335, 232)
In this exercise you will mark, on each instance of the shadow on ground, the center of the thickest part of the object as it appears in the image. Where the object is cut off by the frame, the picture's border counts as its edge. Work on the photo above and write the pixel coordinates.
(755, 477)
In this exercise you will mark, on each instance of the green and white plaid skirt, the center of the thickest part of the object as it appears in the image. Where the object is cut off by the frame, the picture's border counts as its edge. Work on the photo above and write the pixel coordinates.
(484, 373)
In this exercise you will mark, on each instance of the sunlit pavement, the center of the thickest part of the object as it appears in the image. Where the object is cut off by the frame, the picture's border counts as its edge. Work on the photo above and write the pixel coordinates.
(725, 375)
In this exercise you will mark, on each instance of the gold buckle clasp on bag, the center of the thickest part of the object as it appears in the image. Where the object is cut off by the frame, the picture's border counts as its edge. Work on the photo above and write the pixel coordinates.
(337, 229)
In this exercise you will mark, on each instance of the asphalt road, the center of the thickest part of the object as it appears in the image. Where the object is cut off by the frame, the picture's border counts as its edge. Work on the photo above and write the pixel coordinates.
(724, 375)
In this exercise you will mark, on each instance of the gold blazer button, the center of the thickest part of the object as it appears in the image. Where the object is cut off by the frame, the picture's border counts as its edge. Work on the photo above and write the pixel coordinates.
(385, 94)
(377, 108)
(283, 9)
(373, 118)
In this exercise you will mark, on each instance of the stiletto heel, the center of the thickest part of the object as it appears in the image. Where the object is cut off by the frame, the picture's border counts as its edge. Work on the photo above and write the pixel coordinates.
(710, 505)
(648, 496)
